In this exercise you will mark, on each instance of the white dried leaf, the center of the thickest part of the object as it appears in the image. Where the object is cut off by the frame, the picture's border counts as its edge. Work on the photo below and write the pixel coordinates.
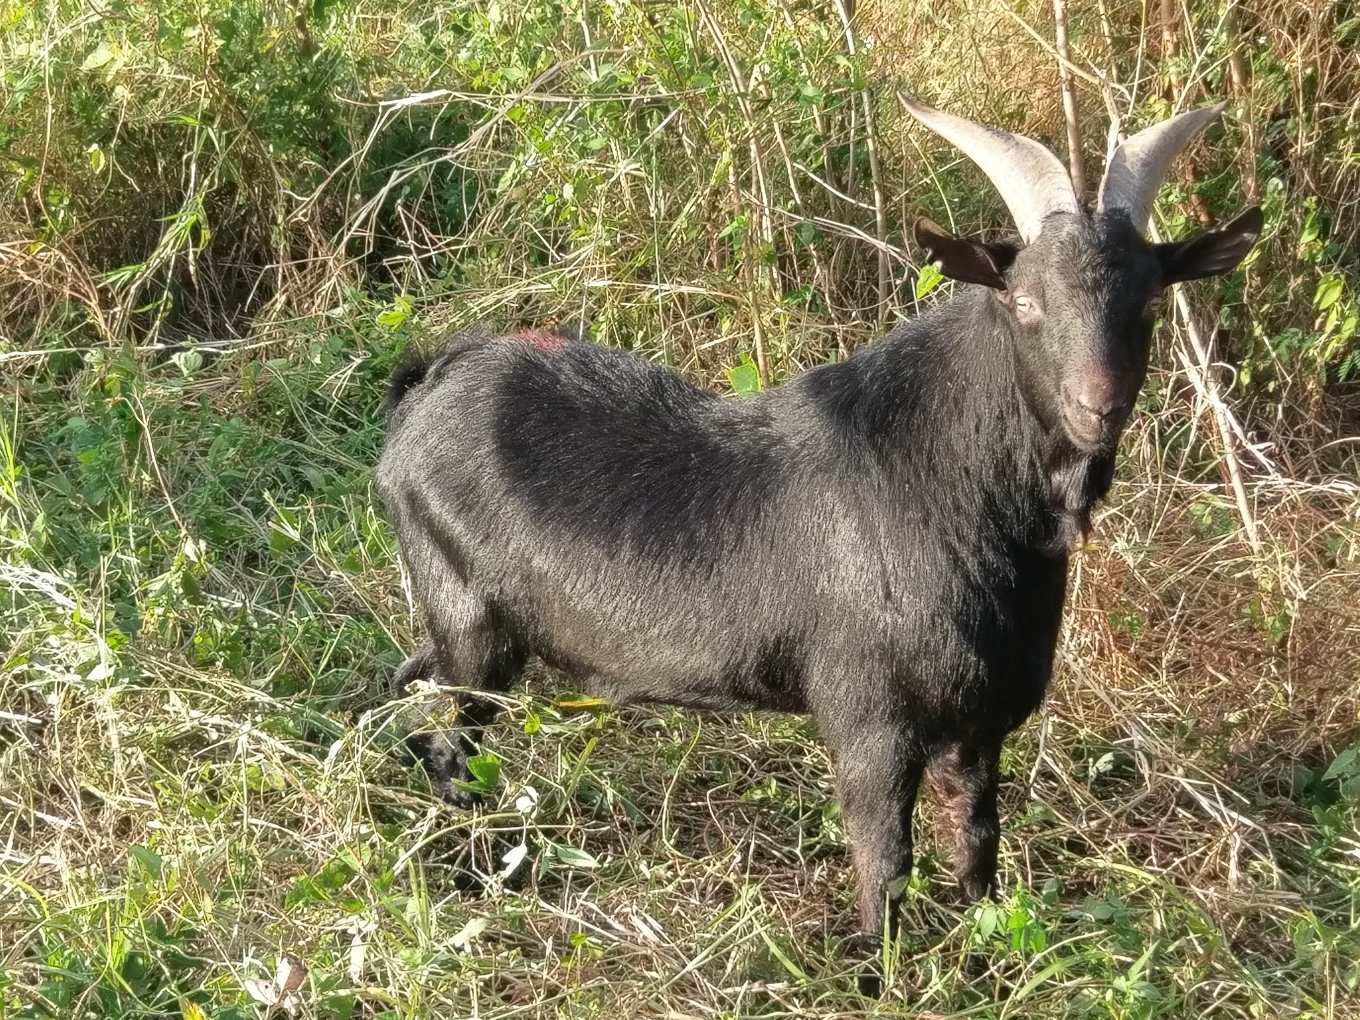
(281, 992)
(527, 802)
(513, 858)
(261, 991)
(290, 974)
(469, 932)
(358, 951)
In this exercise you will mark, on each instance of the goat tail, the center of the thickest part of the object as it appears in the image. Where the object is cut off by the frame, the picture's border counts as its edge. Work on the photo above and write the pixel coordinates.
(427, 362)
(410, 372)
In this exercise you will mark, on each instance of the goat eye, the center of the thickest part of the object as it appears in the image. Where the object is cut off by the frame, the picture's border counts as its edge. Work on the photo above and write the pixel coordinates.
(1026, 308)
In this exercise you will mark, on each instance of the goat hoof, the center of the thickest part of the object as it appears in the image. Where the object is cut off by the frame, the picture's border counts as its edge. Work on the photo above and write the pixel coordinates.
(443, 756)
(456, 796)
(869, 982)
(867, 951)
(972, 888)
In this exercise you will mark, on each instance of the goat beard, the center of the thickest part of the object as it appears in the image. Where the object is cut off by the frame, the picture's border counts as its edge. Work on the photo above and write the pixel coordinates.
(1076, 482)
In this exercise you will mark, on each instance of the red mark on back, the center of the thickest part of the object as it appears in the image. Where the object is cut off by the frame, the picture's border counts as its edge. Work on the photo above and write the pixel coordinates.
(543, 339)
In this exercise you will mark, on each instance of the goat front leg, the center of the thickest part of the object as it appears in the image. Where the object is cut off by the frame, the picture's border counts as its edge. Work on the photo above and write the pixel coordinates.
(965, 777)
(878, 774)
(486, 664)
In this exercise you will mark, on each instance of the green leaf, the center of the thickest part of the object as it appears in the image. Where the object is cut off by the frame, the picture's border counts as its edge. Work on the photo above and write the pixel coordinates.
(574, 858)
(1136, 971)
(736, 228)
(744, 377)
(151, 863)
(97, 57)
(262, 778)
(1311, 227)
(318, 888)
(810, 95)
(486, 772)
(188, 362)
(929, 278)
(581, 703)
(988, 920)
(1100, 910)
(395, 315)
(784, 959)
(1329, 290)
(1343, 765)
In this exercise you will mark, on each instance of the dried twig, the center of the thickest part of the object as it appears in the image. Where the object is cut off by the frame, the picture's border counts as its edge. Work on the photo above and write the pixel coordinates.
(1069, 97)
(843, 8)
(1201, 375)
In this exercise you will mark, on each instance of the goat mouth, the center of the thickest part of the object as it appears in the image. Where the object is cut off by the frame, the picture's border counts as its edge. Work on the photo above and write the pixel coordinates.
(1088, 432)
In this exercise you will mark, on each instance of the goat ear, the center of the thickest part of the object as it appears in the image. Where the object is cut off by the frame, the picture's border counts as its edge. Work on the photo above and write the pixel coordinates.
(967, 261)
(1212, 253)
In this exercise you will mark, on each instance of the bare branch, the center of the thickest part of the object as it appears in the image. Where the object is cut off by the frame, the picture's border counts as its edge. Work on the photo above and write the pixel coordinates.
(1069, 97)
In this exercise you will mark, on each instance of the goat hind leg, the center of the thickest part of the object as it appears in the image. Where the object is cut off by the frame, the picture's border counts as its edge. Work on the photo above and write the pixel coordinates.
(419, 665)
(965, 777)
(437, 750)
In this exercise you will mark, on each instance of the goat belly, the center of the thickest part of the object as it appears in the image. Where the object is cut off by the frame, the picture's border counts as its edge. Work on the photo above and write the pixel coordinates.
(671, 636)
(769, 678)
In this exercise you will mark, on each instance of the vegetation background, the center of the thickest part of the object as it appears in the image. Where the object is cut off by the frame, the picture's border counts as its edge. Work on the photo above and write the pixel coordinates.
(221, 223)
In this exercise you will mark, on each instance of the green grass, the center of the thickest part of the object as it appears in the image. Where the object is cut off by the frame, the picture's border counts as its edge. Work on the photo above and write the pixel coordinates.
(222, 224)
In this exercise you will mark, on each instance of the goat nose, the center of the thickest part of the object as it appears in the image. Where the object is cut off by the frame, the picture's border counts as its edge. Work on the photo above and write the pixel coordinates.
(1100, 397)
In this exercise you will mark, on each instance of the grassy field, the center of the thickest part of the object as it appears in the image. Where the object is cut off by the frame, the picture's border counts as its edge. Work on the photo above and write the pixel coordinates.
(221, 225)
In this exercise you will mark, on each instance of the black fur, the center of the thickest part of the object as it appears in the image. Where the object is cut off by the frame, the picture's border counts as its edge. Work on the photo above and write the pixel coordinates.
(881, 542)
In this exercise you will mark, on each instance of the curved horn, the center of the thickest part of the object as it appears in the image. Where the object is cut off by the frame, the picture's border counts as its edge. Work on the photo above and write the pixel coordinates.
(1138, 167)
(1032, 181)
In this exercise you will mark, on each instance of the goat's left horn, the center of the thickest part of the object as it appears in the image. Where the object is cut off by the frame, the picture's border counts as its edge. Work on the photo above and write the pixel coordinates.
(1032, 181)
(1138, 167)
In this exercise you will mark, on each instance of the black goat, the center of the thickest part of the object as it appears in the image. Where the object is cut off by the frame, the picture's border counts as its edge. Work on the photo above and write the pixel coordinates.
(881, 542)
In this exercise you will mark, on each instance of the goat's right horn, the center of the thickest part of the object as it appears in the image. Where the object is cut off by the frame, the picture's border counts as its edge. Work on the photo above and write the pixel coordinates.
(1031, 180)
